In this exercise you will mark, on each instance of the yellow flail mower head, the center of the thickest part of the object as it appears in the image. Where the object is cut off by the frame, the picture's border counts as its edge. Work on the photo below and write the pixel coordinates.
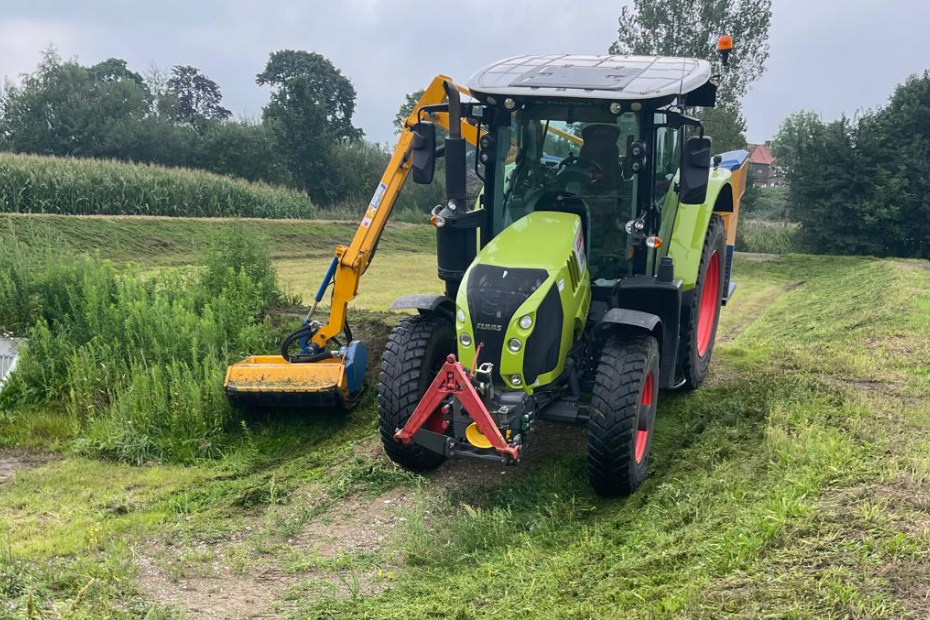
(314, 378)
(271, 381)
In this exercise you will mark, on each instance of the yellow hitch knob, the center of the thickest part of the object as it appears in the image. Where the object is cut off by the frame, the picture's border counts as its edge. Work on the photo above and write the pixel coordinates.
(475, 437)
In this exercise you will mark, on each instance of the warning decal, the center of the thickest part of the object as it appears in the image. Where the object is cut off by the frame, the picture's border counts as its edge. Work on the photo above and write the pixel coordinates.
(579, 250)
(379, 195)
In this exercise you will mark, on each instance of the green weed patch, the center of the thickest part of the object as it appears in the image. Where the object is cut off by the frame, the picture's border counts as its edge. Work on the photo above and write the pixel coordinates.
(136, 363)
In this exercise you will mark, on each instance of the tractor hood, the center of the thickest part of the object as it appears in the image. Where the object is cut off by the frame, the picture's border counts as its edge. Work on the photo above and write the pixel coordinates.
(536, 268)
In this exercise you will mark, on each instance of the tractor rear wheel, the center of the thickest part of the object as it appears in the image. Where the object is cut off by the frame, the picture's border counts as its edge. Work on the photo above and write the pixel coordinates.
(413, 355)
(623, 411)
(699, 319)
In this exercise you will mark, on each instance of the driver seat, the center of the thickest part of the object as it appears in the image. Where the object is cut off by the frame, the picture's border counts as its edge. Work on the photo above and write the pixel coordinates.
(600, 146)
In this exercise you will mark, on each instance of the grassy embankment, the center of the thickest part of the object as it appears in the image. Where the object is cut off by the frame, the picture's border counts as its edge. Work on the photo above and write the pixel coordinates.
(405, 255)
(793, 484)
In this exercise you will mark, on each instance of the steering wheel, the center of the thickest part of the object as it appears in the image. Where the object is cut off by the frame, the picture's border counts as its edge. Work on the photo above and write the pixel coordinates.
(590, 166)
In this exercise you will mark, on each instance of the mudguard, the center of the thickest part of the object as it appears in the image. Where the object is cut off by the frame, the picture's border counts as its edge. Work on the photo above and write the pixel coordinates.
(633, 318)
(726, 185)
(425, 303)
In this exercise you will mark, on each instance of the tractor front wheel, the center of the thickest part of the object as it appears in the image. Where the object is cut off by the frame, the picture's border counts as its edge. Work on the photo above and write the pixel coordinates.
(700, 317)
(623, 411)
(413, 355)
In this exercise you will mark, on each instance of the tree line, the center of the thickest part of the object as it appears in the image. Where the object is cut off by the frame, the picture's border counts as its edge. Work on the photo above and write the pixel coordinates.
(305, 138)
(862, 185)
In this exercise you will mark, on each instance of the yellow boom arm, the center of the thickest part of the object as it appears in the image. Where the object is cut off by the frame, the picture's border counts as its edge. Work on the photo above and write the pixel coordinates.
(354, 259)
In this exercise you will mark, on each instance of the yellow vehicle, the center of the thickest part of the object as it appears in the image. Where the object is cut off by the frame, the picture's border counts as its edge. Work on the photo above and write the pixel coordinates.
(587, 273)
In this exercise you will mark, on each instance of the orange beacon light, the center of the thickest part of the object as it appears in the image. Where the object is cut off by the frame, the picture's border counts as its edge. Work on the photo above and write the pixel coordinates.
(724, 47)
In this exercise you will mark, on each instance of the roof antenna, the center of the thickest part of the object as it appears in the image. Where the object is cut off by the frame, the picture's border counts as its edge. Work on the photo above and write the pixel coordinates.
(681, 85)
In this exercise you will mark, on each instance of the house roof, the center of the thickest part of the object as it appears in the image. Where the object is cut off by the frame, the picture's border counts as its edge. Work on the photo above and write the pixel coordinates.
(760, 154)
(591, 77)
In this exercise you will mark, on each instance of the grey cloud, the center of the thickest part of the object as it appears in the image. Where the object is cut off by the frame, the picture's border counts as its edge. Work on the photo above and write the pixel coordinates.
(831, 56)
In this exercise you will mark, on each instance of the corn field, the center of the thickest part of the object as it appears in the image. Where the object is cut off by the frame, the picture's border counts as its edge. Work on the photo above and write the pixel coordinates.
(69, 186)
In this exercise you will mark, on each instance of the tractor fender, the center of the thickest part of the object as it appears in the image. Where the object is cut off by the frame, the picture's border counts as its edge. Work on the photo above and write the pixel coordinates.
(650, 324)
(426, 304)
(645, 321)
(690, 227)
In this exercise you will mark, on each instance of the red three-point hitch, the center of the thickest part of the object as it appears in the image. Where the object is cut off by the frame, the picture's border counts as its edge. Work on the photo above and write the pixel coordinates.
(452, 380)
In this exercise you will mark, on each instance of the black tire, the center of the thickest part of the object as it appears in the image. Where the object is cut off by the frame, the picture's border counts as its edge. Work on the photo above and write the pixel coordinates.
(626, 390)
(695, 360)
(414, 353)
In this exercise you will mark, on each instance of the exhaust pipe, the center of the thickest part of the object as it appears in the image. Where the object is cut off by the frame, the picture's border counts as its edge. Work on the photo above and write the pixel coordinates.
(456, 239)
(455, 151)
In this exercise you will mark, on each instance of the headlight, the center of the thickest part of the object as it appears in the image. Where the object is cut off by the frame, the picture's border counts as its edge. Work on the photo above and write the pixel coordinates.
(516, 381)
(526, 321)
(465, 339)
(514, 345)
(460, 315)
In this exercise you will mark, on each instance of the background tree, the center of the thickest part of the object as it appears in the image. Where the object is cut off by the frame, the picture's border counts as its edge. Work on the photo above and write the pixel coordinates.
(300, 125)
(691, 28)
(64, 108)
(797, 134)
(310, 111)
(320, 84)
(115, 70)
(832, 193)
(193, 98)
(861, 186)
(244, 149)
(895, 141)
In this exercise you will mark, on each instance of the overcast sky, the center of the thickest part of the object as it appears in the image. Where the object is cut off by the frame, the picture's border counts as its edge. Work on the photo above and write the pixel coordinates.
(832, 56)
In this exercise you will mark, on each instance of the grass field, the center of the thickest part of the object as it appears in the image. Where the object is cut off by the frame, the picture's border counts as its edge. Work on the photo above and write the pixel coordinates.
(794, 484)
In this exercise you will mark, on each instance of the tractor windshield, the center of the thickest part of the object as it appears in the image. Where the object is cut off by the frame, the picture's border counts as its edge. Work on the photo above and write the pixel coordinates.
(546, 161)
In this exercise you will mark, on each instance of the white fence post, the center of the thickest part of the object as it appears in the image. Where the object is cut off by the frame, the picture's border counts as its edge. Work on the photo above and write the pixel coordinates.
(8, 359)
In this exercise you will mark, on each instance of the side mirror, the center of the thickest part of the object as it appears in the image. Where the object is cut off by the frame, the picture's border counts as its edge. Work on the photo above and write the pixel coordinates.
(695, 169)
(424, 152)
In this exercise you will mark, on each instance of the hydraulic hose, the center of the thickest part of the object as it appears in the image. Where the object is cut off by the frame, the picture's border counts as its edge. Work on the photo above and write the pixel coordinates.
(305, 331)
(308, 331)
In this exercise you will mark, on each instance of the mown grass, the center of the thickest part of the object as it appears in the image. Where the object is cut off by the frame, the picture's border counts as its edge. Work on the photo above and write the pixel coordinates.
(72, 186)
(792, 485)
(783, 489)
(390, 275)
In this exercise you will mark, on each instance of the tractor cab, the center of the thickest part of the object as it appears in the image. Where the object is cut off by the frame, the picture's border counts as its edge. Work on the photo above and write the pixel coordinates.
(598, 136)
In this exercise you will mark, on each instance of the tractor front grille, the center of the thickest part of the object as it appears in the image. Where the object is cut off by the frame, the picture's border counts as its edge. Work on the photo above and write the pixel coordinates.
(494, 294)
(543, 345)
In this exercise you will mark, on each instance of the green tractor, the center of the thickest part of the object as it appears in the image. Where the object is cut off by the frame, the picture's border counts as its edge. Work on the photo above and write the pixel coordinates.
(585, 271)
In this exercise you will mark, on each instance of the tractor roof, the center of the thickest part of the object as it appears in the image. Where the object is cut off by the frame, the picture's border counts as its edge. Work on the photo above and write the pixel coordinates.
(621, 78)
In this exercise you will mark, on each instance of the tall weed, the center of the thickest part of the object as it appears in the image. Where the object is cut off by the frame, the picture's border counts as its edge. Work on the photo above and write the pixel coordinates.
(767, 237)
(138, 360)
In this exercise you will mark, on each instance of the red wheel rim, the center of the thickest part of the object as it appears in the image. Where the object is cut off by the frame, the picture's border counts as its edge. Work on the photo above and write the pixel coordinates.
(642, 427)
(707, 312)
